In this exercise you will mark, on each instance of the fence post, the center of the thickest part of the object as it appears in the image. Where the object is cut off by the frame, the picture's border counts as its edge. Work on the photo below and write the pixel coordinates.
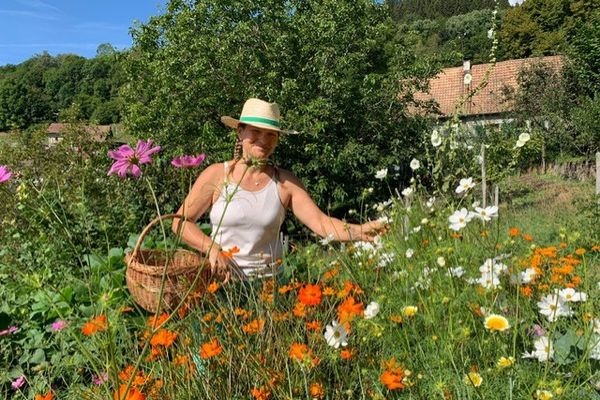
(483, 182)
(496, 195)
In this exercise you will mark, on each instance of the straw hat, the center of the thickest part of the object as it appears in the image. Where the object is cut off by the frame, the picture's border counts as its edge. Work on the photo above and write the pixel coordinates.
(258, 113)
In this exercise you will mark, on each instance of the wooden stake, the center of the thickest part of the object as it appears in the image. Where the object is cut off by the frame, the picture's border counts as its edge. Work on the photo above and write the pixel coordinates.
(483, 183)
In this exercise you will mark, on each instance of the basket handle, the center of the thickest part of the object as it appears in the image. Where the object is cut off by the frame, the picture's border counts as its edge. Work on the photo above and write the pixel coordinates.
(138, 244)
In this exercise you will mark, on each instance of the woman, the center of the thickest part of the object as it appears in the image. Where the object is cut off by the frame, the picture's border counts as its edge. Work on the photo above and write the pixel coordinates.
(248, 197)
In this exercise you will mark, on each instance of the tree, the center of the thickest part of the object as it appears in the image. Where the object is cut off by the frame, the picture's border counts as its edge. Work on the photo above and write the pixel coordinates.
(331, 65)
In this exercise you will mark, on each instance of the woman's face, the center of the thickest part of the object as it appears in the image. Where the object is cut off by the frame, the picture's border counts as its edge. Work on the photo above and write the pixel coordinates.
(257, 142)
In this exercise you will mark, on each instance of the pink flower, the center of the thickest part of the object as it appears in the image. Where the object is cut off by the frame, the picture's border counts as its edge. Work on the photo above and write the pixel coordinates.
(5, 174)
(18, 383)
(10, 330)
(58, 325)
(100, 379)
(188, 161)
(128, 161)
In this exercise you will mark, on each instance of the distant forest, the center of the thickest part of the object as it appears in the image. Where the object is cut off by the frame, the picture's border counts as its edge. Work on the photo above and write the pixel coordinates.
(46, 88)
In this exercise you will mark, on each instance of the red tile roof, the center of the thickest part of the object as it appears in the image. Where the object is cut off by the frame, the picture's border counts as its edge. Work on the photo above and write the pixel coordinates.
(448, 87)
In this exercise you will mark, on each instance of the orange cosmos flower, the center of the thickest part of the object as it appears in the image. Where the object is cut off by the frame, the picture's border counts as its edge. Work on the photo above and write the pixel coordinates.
(396, 318)
(48, 396)
(526, 291)
(580, 252)
(155, 321)
(484, 233)
(512, 232)
(328, 291)
(348, 286)
(255, 326)
(349, 309)
(346, 354)
(131, 394)
(527, 237)
(330, 274)
(392, 379)
(299, 351)
(262, 393)
(563, 245)
(596, 248)
(456, 235)
(317, 391)
(299, 310)
(163, 337)
(229, 253)
(313, 326)
(210, 349)
(310, 295)
(213, 287)
(285, 288)
(97, 324)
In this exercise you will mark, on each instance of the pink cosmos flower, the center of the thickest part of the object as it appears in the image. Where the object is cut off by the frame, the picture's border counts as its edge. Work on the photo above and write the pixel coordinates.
(5, 174)
(128, 160)
(100, 379)
(58, 325)
(188, 161)
(18, 383)
(10, 330)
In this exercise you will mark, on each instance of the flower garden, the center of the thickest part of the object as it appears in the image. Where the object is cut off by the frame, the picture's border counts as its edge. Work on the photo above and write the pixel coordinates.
(450, 304)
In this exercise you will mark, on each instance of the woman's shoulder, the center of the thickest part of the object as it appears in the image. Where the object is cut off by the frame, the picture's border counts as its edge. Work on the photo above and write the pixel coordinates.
(215, 172)
(287, 178)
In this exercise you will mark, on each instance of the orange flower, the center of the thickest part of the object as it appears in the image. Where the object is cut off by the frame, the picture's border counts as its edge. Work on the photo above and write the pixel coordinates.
(512, 232)
(156, 321)
(48, 396)
(330, 274)
(346, 354)
(317, 391)
(580, 252)
(97, 324)
(139, 380)
(313, 326)
(349, 309)
(527, 237)
(484, 233)
(596, 248)
(229, 253)
(348, 286)
(328, 291)
(299, 310)
(181, 360)
(163, 337)
(526, 291)
(285, 288)
(396, 318)
(213, 287)
(563, 245)
(255, 326)
(299, 351)
(310, 295)
(392, 379)
(456, 235)
(262, 393)
(132, 394)
(210, 349)
(425, 243)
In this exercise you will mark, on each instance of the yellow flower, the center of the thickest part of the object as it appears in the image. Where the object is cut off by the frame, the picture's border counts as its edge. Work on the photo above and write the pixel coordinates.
(495, 322)
(504, 362)
(409, 311)
(473, 379)
(543, 395)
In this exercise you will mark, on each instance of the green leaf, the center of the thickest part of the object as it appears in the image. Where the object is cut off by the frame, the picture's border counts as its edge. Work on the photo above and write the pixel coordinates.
(565, 348)
(38, 357)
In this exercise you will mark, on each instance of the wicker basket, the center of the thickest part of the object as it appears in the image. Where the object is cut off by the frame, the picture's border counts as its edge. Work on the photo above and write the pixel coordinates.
(145, 269)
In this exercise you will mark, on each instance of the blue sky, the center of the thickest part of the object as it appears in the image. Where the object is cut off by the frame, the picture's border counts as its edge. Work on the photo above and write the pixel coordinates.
(29, 27)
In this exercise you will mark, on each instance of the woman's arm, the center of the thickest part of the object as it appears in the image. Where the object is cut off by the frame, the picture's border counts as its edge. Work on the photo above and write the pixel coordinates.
(305, 209)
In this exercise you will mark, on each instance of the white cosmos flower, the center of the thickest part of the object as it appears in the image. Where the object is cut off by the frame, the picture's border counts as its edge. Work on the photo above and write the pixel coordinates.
(487, 213)
(409, 253)
(381, 174)
(459, 219)
(543, 350)
(372, 310)
(528, 275)
(553, 306)
(415, 164)
(464, 185)
(570, 295)
(436, 139)
(335, 335)
(456, 272)
(595, 347)
(489, 280)
(407, 192)
(416, 229)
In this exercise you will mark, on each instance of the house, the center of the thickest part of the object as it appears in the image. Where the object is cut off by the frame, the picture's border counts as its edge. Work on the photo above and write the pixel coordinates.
(98, 133)
(488, 106)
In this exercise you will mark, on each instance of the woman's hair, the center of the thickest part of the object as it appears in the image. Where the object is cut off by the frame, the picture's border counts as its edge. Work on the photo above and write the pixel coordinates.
(237, 147)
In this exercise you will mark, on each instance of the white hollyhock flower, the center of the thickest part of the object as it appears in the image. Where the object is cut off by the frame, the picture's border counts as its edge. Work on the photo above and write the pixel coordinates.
(570, 295)
(543, 350)
(459, 219)
(487, 213)
(409, 253)
(553, 306)
(436, 139)
(372, 310)
(464, 185)
(490, 33)
(524, 137)
(467, 79)
(335, 335)
(381, 174)
(415, 164)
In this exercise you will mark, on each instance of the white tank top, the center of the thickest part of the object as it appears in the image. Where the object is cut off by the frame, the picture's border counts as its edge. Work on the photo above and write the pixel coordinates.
(251, 222)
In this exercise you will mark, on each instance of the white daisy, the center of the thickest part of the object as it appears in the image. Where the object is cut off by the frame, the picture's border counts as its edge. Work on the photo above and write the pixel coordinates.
(487, 213)
(464, 185)
(553, 306)
(372, 310)
(459, 219)
(543, 350)
(570, 295)
(335, 335)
